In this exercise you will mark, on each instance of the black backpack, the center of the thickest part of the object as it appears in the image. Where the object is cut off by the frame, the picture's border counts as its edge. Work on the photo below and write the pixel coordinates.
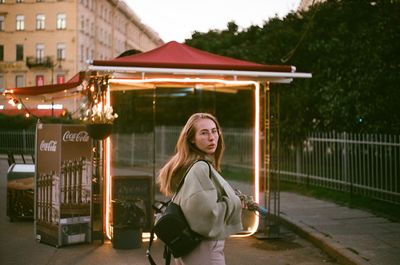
(173, 229)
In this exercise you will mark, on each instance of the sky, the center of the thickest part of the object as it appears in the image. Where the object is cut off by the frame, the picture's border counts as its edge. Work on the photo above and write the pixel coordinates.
(178, 19)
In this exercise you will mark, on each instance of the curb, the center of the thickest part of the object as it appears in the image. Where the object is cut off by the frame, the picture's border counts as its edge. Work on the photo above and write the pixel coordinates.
(342, 254)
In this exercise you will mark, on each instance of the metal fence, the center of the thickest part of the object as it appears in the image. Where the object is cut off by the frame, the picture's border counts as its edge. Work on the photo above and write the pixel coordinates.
(362, 164)
(17, 142)
(356, 163)
(138, 149)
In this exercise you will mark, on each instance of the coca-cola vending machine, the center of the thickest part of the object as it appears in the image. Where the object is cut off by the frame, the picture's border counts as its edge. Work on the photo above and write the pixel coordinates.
(63, 184)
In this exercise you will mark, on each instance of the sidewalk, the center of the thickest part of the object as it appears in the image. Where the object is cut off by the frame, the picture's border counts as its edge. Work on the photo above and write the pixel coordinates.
(352, 236)
(349, 236)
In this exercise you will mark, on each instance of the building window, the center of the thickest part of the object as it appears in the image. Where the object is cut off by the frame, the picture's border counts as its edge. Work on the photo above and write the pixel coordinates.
(19, 81)
(19, 52)
(60, 79)
(40, 80)
(2, 1)
(61, 21)
(39, 53)
(19, 1)
(40, 21)
(1, 83)
(60, 51)
(20, 24)
(82, 53)
(92, 29)
(1, 53)
(82, 23)
(1, 23)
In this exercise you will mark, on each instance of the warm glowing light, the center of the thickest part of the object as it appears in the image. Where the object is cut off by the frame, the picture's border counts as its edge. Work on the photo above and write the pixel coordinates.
(257, 143)
(27, 115)
(185, 80)
(1, 106)
(108, 173)
(254, 226)
(11, 102)
(19, 106)
(49, 106)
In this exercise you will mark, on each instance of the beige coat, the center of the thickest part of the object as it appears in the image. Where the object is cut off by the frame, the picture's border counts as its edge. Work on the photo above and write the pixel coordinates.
(209, 204)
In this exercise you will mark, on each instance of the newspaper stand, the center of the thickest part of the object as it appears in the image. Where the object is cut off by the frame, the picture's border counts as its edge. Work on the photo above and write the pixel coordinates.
(63, 184)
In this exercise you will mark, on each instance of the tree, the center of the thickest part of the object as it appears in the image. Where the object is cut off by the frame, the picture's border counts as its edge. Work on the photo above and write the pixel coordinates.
(351, 49)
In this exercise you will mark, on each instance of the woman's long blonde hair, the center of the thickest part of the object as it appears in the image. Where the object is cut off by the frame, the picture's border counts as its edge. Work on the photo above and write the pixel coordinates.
(187, 153)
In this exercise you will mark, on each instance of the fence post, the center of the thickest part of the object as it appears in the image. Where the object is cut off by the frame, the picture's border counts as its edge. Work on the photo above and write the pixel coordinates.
(298, 162)
(345, 163)
(162, 142)
(133, 144)
(24, 141)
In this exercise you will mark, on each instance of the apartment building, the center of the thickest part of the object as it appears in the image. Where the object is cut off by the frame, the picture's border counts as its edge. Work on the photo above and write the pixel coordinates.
(48, 41)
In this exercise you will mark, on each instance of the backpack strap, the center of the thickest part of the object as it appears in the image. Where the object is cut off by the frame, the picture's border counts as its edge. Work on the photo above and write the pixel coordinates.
(187, 171)
(148, 254)
(167, 253)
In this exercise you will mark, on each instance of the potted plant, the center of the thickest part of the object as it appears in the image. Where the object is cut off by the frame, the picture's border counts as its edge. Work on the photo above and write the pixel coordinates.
(99, 120)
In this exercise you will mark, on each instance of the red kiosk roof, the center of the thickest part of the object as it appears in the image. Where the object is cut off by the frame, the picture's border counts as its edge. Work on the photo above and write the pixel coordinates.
(177, 55)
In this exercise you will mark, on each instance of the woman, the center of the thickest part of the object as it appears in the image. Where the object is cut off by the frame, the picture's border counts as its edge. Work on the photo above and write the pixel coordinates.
(208, 202)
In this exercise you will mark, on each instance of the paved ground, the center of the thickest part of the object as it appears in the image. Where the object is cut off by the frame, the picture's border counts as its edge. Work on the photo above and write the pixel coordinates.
(349, 236)
(352, 236)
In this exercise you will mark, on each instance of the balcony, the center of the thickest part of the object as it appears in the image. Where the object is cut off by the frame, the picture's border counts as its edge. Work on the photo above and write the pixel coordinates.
(43, 62)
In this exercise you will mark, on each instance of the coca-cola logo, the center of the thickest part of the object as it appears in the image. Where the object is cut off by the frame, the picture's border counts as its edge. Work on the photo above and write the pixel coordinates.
(81, 136)
(50, 146)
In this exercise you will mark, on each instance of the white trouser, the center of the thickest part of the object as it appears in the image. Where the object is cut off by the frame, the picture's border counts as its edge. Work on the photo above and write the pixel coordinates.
(209, 252)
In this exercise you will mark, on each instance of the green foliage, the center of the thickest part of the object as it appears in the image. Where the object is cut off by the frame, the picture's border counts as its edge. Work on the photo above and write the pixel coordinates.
(350, 48)
(20, 122)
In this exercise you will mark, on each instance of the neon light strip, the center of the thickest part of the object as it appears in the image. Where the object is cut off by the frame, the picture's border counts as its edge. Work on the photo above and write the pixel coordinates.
(180, 80)
(257, 143)
(108, 173)
(191, 80)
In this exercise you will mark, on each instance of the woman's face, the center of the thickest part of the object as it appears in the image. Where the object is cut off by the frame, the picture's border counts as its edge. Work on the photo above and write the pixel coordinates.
(206, 136)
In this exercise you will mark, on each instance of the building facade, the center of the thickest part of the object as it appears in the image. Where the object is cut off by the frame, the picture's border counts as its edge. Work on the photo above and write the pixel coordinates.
(48, 41)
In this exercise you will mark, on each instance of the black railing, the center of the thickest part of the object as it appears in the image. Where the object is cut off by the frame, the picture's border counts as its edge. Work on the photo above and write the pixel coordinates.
(17, 142)
(46, 62)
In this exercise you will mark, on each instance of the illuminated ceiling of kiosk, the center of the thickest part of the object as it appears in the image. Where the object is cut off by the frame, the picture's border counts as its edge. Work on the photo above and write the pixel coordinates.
(178, 65)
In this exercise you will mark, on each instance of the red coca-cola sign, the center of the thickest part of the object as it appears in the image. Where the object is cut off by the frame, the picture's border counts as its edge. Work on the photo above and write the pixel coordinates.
(81, 136)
